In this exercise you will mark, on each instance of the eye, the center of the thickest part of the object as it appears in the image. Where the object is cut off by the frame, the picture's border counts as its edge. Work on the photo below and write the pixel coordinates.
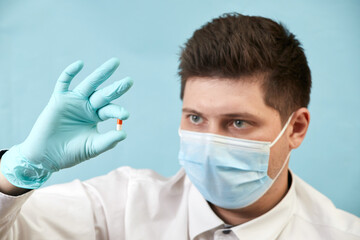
(239, 124)
(195, 119)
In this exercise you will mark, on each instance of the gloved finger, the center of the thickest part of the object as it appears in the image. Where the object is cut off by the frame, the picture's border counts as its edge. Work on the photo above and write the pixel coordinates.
(91, 82)
(106, 141)
(63, 82)
(104, 96)
(113, 111)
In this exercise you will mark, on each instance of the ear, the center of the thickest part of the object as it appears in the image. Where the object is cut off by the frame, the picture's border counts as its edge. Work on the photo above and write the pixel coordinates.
(298, 127)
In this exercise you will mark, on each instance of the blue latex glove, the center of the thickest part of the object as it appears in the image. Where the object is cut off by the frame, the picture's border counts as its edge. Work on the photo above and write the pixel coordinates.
(65, 133)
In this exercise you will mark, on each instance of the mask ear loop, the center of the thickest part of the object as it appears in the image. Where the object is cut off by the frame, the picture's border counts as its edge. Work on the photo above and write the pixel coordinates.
(273, 143)
(282, 168)
(282, 131)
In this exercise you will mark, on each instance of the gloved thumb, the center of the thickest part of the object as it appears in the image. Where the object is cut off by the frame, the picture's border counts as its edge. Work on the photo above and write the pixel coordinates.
(106, 141)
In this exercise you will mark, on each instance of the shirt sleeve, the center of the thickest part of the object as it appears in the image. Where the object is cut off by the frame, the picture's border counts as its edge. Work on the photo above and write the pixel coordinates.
(9, 209)
(57, 212)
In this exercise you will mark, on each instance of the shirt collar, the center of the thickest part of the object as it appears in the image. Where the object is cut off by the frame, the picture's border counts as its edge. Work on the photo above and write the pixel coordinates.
(270, 224)
(267, 226)
(201, 216)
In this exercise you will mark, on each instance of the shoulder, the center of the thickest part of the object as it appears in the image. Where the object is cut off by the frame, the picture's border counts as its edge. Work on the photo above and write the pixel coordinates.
(130, 180)
(317, 213)
(146, 180)
(130, 175)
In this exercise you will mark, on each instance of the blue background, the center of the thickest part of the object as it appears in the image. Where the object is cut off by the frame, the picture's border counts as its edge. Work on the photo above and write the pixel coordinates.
(39, 38)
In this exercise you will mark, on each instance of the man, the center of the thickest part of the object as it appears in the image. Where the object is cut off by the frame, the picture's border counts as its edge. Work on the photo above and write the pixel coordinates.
(245, 89)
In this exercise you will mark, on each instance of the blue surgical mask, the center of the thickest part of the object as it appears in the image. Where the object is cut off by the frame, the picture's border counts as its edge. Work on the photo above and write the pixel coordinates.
(229, 172)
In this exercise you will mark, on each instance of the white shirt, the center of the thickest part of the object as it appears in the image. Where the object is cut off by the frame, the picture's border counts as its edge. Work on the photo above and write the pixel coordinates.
(140, 204)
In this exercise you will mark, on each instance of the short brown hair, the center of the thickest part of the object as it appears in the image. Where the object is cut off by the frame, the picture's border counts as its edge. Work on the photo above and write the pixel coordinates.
(234, 45)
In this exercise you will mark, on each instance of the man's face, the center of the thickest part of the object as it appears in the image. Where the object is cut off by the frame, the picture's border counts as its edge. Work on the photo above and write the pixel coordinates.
(235, 109)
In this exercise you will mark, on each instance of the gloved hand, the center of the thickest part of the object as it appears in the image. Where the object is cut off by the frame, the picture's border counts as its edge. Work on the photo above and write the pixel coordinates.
(65, 133)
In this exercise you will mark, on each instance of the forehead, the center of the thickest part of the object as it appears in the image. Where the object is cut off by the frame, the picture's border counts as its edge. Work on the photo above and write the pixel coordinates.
(225, 95)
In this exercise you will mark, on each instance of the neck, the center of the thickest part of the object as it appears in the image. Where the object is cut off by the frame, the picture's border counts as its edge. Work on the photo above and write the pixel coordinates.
(270, 199)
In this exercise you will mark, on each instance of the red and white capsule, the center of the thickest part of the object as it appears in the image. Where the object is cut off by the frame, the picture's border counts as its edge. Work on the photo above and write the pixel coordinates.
(119, 124)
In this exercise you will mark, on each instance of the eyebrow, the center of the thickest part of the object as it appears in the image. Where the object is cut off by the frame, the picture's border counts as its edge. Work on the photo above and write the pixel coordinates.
(188, 110)
(229, 115)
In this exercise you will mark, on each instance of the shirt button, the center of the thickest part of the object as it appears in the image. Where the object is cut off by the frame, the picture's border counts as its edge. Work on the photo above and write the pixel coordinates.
(226, 231)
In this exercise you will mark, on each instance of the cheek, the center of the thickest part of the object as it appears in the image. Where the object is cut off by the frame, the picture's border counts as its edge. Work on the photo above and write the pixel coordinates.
(184, 123)
(277, 158)
(181, 122)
